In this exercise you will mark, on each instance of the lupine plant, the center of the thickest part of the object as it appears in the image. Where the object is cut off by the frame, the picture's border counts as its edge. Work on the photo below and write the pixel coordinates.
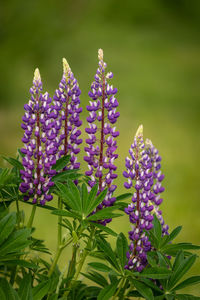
(47, 175)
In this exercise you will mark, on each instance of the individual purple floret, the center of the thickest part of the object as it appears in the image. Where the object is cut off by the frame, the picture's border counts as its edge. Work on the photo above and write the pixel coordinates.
(37, 162)
(102, 134)
(66, 110)
(157, 187)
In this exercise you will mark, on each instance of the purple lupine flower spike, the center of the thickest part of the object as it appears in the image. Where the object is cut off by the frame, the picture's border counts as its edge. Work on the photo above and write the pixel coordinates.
(139, 176)
(36, 161)
(66, 108)
(102, 133)
(157, 187)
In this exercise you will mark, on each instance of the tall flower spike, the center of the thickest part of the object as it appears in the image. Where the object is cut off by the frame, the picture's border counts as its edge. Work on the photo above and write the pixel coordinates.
(36, 178)
(101, 134)
(139, 176)
(157, 187)
(66, 110)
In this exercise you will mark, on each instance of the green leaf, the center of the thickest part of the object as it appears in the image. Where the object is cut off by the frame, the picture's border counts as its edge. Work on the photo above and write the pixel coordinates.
(105, 213)
(61, 163)
(171, 236)
(173, 249)
(65, 213)
(178, 260)
(124, 196)
(84, 197)
(157, 229)
(25, 291)
(92, 195)
(178, 273)
(145, 291)
(96, 277)
(14, 162)
(22, 263)
(16, 241)
(6, 291)
(105, 228)
(40, 290)
(122, 248)
(65, 175)
(186, 297)
(76, 195)
(156, 273)
(107, 292)
(108, 252)
(96, 201)
(99, 267)
(66, 195)
(151, 284)
(189, 281)
(7, 225)
(151, 257)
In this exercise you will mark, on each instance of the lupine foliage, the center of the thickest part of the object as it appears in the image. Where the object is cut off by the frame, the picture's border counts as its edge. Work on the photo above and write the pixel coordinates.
(47, 167)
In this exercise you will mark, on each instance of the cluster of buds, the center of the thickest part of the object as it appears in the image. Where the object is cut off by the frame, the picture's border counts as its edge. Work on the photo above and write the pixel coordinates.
(143, 174)
(102, 145)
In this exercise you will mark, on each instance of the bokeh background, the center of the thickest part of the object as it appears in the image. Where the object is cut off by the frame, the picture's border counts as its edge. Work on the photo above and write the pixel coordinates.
(153, 49)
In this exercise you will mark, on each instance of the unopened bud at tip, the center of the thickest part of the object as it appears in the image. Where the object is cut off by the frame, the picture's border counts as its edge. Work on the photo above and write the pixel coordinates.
(66, 66)
(100, 54)
(37, 76)
(139, 132)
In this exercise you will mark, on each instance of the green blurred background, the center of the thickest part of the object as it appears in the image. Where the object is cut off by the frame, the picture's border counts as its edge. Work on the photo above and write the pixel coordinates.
(153, 49)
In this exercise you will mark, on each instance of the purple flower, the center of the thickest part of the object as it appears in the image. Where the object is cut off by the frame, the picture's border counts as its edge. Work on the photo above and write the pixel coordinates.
(144, 175)
(66, 111)
(102, 133)
(157, 187)
(37, 161)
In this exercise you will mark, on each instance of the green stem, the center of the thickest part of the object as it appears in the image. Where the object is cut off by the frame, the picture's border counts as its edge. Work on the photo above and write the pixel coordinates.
(81, 262)
(57, 255)
(119, 289)
(18, 212)
(59, 223)
(30, 221)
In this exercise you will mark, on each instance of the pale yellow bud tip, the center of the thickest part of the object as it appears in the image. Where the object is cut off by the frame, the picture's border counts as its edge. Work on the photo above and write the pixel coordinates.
(149, 143)
(37, 76)
(66, 66)
(100, 54)
(139, 132)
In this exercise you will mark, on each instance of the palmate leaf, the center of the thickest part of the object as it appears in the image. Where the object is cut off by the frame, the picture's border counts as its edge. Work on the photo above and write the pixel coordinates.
(84, 197)
(14, 162)
(40, 290)
(16, 241)
(122, 248)
(96, 277)
(105, 228)
(75, 194)
(7, 225)
(189, 281)
(173, 249)
(25, 290)
(66, 175)
(105, 213)
(66, 195)
(107, 292)
(157, 229)
(95, 201)
(155, 273)
(6, 291)
(168, 238)
(99, 267)
(180, 270)
(145, 291)
(108, 252)
(124, 196)
(186, 297)
(61, 163)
